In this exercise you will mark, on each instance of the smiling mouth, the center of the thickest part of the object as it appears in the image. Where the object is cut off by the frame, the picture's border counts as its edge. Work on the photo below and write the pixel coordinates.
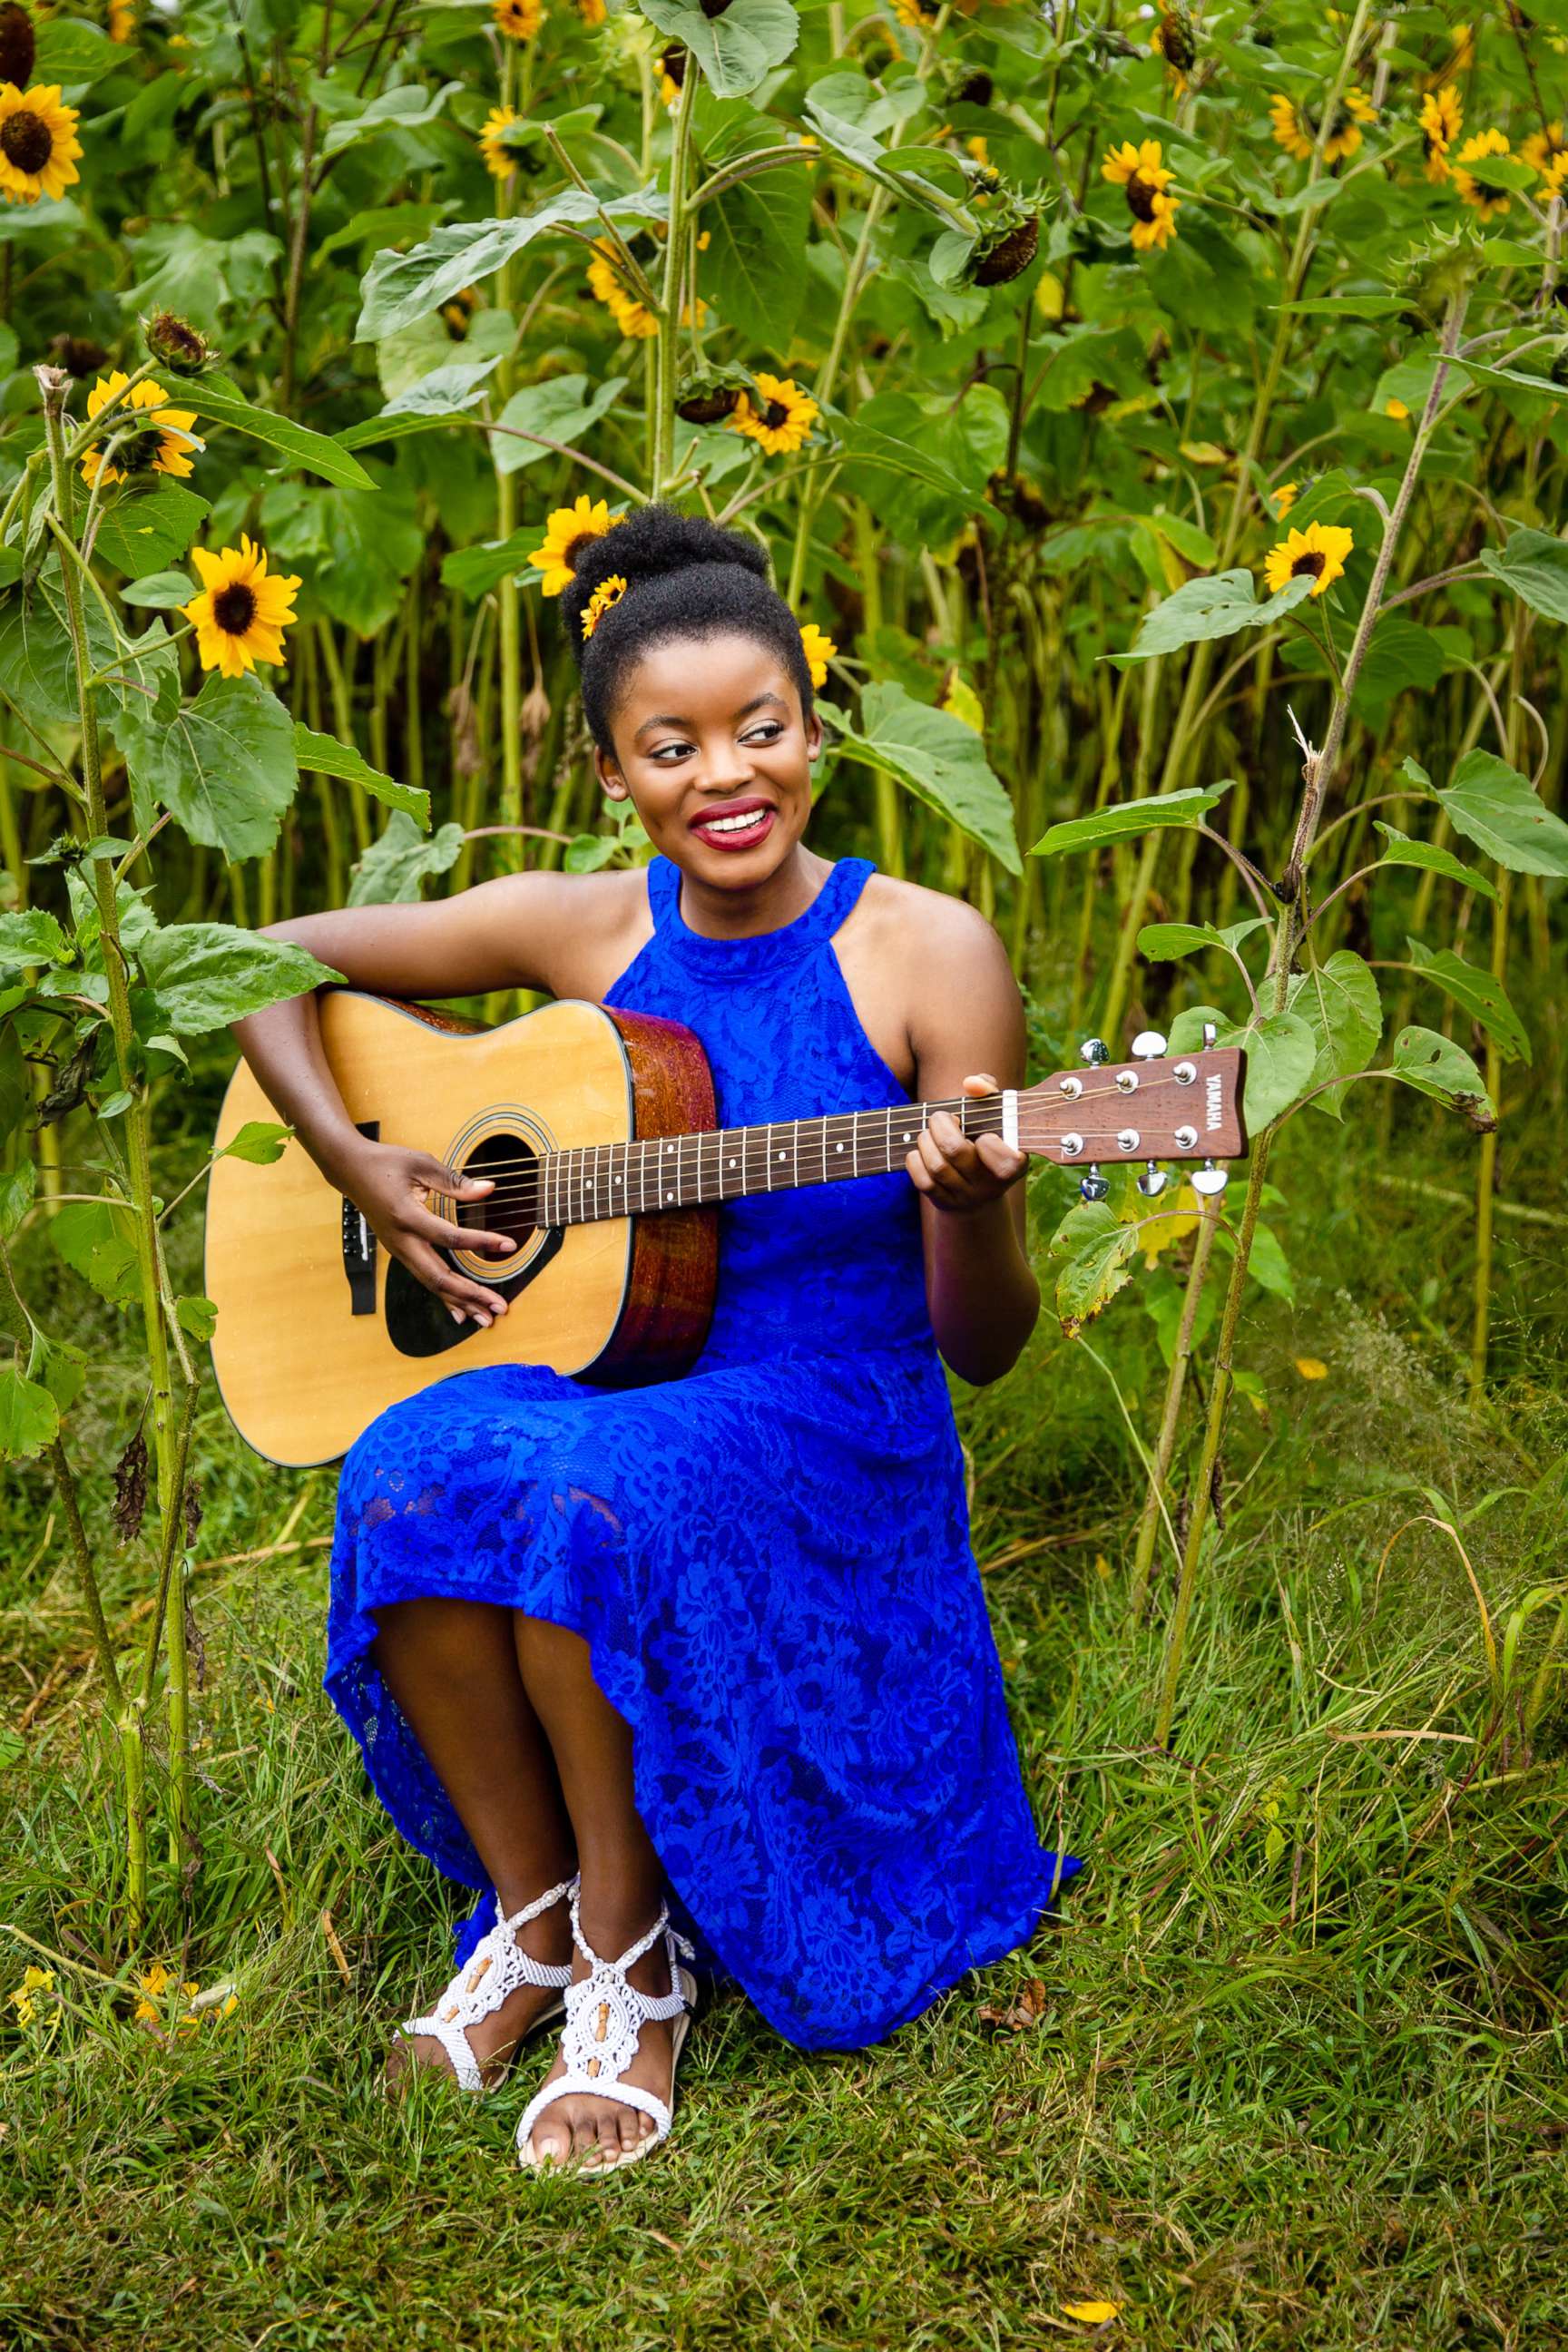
(739, 827)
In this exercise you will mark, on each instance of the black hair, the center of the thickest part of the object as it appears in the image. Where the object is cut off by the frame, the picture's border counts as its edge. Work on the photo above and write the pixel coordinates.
(686, 577)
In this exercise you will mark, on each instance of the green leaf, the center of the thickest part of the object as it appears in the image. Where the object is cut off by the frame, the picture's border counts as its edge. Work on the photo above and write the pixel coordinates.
(1535, 566)
(360, 547)
(1099, 1250)
(29, 1417)
(18, 1189)
(563, 408)
(587, 852)
(1281, 1054)
(261, 1142)
(208, 974)
(196, 1315)
(402, 287)
(33, 936)
(866, 446)
(936, 757)
(96, 1239)
(1216, 606)
(212, 397)
(381, 225)
(1338, 1001)
(323, 755)
(394, 869)
(473, 570)
(38, 669)
(404, 108)
(1267, 1264)
(1515, 379)
(1481, 996)
(144, 530)
(1435, 1065)
(61, 1366)
(752, 270)
(1491, 804)
(1118, 823)
(161, 591)
(69, 49)
(1402, 850)
(1402, 654)
(224, 764)
(736, 50)
(445, 391)
(1164, 942)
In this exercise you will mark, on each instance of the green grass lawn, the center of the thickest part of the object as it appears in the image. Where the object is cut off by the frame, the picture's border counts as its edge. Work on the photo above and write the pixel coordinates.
(1289, 2071)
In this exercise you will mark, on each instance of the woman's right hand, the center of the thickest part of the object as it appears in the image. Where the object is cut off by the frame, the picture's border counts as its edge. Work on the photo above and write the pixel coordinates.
(387, 1183)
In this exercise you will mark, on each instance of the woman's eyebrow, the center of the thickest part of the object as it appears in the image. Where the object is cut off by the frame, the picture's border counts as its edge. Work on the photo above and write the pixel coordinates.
(676, 719)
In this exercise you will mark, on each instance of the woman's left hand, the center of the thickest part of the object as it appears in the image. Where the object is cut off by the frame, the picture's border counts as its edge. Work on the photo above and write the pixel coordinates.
(959, 1172)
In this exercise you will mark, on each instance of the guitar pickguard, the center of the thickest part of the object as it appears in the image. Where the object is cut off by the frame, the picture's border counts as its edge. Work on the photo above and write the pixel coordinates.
(419, 1323)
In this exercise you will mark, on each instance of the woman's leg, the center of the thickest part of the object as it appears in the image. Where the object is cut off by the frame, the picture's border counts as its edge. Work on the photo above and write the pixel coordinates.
(623, 1878)
(452, 1668)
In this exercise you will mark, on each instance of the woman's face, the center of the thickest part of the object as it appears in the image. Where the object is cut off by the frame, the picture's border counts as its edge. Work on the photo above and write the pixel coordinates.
(713, 751)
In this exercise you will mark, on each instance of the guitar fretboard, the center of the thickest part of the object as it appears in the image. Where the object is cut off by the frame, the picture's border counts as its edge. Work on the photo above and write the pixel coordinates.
(683, 1172)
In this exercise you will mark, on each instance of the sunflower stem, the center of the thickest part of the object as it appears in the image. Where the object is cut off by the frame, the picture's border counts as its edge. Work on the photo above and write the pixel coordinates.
(665, 362)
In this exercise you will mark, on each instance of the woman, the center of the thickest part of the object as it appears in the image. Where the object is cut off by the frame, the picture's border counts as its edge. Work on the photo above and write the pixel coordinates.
(719, 1639)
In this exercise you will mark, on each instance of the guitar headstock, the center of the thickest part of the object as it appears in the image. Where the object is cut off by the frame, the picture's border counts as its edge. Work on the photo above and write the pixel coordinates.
(1157, 1107)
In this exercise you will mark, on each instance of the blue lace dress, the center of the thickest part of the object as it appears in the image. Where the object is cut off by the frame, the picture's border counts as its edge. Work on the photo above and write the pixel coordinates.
(769, 1560)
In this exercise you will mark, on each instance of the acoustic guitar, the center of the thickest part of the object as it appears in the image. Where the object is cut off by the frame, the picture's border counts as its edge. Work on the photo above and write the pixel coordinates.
(597, 1127)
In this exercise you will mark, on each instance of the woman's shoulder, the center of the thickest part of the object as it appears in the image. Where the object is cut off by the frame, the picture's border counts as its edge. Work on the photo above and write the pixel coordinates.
(584, 929)
(928, 929)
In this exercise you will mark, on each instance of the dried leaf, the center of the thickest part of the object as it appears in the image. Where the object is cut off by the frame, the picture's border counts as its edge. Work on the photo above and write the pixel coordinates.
(130, 1489)
(1091, 2314)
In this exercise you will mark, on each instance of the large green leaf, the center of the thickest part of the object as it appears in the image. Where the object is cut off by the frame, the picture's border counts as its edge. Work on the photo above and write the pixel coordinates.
(37, 670)
(323, 755)
(69, 49)
(563, 408)
(142, 531)
(935, 756)
(96, 1239)
(1491, 804)
(404, 108)
(1401, 850)
(29, 1417)
(1281, 1055)
(401, 287)
(208, 974)
(1540, 387)
(1435, 1065)
(32, 936)
(1535, 566)
(358, 548)
(1216, 606)
(1164, 942)
(1188, 806)
(736, 49)
(1338, 1001)
(212, 397)
(759, 231)
(224, 764)
(395, 868)
(1097, 1250)
(1475, 989)
(864, 444)
(472, 569)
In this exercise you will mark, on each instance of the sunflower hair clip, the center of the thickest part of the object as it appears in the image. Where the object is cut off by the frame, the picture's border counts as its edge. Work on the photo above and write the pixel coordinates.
(608, 592)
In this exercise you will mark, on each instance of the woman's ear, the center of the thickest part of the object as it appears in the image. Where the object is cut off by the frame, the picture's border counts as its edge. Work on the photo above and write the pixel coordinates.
(813, 734)
(610, 776)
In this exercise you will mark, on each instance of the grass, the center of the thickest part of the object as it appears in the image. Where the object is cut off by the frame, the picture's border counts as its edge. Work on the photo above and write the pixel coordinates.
(1289, 2073)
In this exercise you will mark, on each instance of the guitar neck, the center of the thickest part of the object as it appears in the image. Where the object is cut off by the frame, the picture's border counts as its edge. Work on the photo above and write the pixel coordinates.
(684, 1171)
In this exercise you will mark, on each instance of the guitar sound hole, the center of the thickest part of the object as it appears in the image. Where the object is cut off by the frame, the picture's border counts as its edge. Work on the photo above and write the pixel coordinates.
(510, 1161)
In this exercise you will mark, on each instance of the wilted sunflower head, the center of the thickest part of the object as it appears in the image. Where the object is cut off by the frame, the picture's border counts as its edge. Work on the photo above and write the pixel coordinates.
(709, 396)
(1174, 40)
(38, 145)
(77, 355)
(19, 46)
(1006, 250)
(146, 436)
(175, 345)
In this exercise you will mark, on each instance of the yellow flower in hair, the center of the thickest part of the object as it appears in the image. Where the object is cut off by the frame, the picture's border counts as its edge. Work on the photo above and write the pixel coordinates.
(818, 649)
(518, 19)
(608, 592)
(1146, 180)
(1295, 130)
(1491, 202)
(498, 161)
(162, 442)
(784, 424)
(1442, 120)
(1546, 151)
(38, 145)
(241, 613)
(1284, 497)
(566, 534)
(1319, 552)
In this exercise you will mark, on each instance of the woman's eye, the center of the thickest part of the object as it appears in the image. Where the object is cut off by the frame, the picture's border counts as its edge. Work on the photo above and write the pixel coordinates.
(768, 732)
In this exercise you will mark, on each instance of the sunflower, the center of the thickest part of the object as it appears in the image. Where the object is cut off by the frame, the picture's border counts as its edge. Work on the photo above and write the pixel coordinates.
(593, 12)
(786, 421)
(1545, 151)
(1173, 40)
(38, 145)
(1146, 180)
(122, 20)
(566, 534)
(1284, 497)
(518, 19)
(1319, 552)
(1442, 120)
(1295, 130)
(818, 649)
(608, 592)
(240, 615)
(499, 159)
(1491, 202)
(671, 74)
(1555, 181)
(159, 445)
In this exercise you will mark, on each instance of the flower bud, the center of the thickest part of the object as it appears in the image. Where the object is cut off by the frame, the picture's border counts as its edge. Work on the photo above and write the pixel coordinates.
(175, 343)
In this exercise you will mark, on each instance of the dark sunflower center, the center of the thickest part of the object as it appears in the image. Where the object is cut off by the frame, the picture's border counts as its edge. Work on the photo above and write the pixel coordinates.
(573, 548)
(1310, 565)
(234, 608)
(26, 140)
(1141, 195)
(137, 456)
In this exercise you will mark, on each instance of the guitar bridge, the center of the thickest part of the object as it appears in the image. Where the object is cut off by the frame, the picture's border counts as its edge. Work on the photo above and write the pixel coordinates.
(359, 1241)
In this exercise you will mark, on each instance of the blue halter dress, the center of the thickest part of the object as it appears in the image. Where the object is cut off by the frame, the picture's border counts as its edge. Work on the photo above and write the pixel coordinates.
(769, 1560)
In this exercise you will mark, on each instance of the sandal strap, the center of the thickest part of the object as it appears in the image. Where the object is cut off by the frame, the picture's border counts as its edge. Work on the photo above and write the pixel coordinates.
(626, 2095)
(494, 1969)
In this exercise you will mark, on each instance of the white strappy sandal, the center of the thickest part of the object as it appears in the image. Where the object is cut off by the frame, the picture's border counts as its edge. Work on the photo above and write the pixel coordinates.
(604, 2017)
(493, 1970)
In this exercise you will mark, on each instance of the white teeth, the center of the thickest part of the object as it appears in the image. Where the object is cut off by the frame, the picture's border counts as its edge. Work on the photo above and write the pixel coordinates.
(741, 823)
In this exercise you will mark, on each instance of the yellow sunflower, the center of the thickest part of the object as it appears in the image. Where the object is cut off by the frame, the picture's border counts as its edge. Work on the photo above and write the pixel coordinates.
(671, 74)
(159, 445)
(499, 162)
(566, 534)
(1491, 202)
(1295, 130)
(593, 12)
(38, 145)
(1321, 551)
(1544, 152)
(518, 19)
(1173, 40)
(1284, 497)
(121, 21)
(818, 649)
(1442, 120)
(608, 592)
(241, 613)
(1556, 180)
(1147, 182)
(786, 421)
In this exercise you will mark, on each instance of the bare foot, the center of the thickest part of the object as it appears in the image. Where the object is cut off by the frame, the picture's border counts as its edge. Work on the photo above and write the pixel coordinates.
(494, 2039)
(592, 2133)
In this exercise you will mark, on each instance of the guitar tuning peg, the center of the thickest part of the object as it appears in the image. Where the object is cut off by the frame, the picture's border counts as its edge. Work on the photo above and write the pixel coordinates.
(1210, 1179)
(1152, 1182)
(1148, 1045)
(1210, 1035)
(1092, 1185)
(1094, 1050)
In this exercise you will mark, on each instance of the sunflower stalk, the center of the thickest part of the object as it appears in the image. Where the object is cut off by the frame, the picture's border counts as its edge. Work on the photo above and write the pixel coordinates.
(661, 458)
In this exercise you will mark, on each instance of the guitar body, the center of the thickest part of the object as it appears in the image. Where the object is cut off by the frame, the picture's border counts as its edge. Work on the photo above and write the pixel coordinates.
(319, 1330)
